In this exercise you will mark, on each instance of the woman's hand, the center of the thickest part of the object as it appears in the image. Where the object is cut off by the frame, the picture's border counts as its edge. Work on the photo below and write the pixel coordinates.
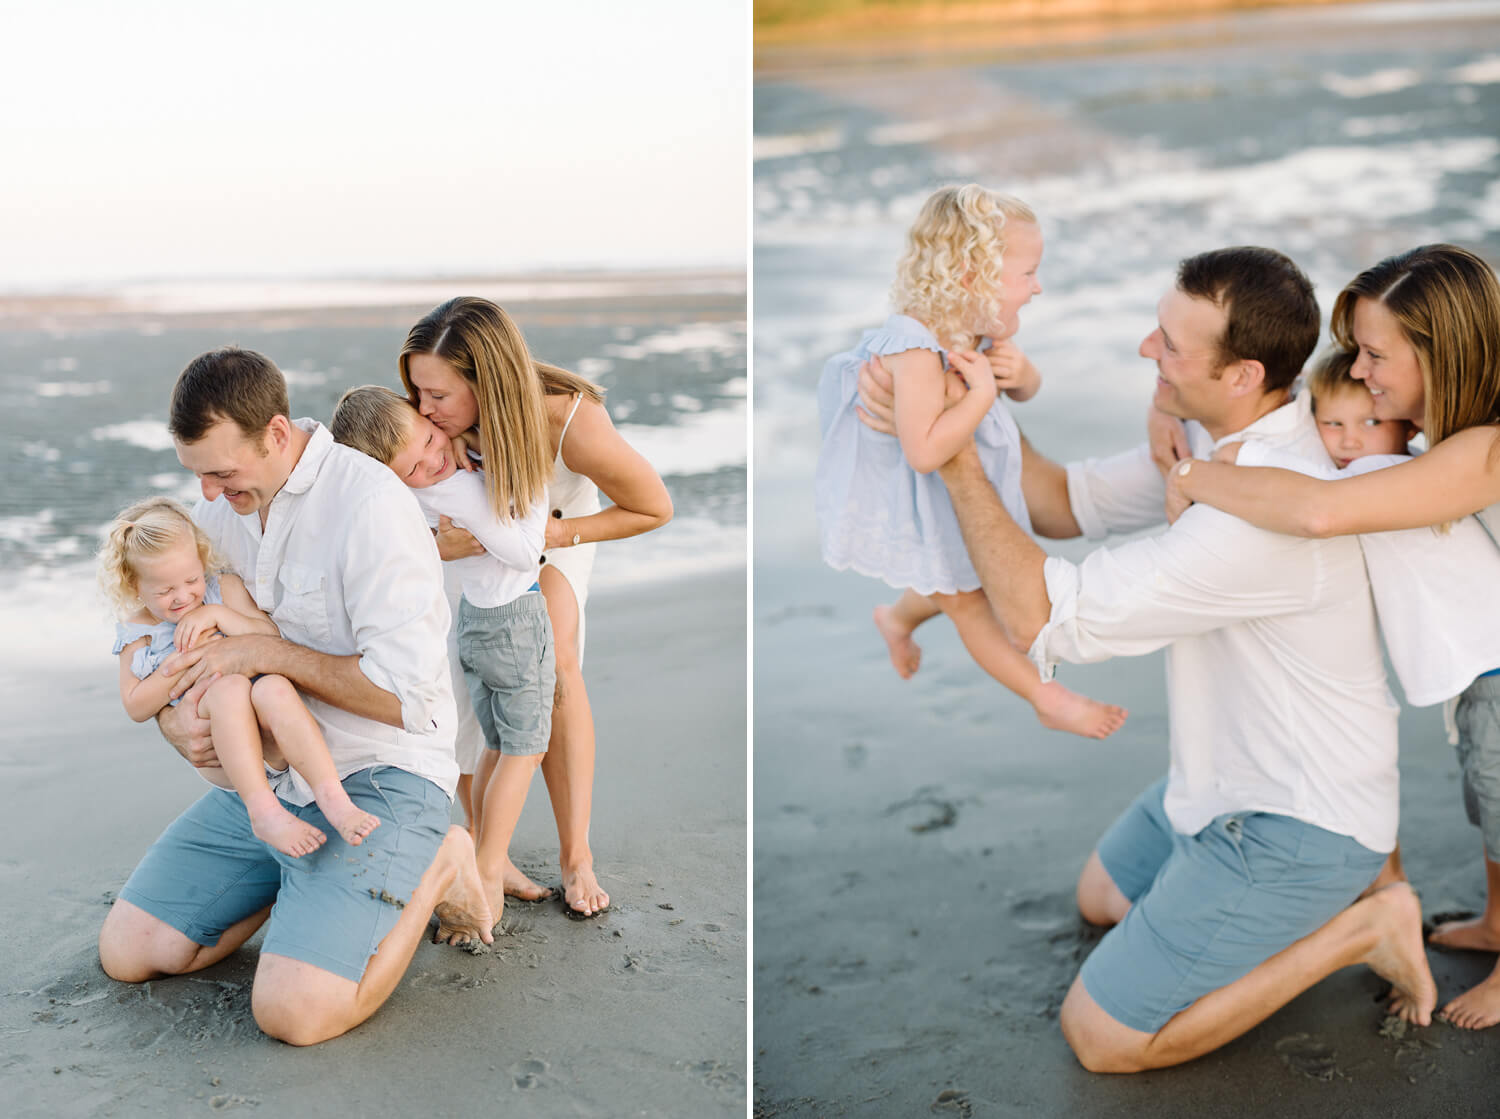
(560, 532)
(454, 542)
(1168, 440)
(1177, 498)
(1014, 373)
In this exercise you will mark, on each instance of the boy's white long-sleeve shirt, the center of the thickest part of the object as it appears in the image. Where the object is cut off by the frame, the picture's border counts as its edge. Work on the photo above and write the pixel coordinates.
(512, 547)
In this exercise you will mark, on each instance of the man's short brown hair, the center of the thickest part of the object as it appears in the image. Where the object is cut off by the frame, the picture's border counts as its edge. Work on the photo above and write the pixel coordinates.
(229, 384)
(1272, 312)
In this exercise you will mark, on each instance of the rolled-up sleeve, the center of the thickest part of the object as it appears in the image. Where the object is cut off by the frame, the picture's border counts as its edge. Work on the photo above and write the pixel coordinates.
(1209, 570)
(393, 591)
(1119, 494)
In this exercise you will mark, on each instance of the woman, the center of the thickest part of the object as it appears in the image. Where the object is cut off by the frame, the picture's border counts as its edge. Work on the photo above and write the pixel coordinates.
(466, 367)
(1425, 329)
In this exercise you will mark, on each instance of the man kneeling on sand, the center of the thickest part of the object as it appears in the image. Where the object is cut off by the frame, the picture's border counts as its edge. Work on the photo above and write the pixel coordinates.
(335, 549)
(1234, 883)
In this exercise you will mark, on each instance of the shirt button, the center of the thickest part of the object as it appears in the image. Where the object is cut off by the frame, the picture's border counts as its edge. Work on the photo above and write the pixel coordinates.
(544, 559)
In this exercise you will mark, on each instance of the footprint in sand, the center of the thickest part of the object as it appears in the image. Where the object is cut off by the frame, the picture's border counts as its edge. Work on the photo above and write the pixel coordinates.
(528, 1074)
(1308, 1055)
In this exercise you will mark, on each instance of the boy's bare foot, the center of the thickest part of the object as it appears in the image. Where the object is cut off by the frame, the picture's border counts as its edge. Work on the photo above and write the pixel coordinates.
(1399, 956)
(274, 825)
(348, 819)
(1477, 1008)
(582, 891)
(906, 654)
(465, 913)
(1475, 934)
(1060, 709)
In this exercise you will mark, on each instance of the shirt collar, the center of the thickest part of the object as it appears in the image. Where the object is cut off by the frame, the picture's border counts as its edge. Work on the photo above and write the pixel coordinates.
(1277, 424)
(313, 455)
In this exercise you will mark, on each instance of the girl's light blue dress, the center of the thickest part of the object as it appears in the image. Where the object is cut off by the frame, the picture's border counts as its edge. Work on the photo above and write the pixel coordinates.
(877, 515)
(147, 659)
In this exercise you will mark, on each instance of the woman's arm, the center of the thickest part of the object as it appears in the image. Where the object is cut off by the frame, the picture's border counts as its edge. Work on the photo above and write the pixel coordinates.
(143, 698)
(1461, 475)
(593, 448)
(931, 435)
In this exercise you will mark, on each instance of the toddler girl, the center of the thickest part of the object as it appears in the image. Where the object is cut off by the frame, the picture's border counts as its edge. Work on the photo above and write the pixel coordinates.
(969, 268)
(158, 567)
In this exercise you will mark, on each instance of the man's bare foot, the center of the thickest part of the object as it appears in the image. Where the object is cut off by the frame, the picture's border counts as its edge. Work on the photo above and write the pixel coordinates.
(274, 825)
(348, 819)
(582, 891)
(906, 654)
(1475, 934)
(1399, 956)
(465, 913)
(1477, 1008)
(1060, 709)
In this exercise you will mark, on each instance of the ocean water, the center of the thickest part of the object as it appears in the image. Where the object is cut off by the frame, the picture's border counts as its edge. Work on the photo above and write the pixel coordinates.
(1337, 135)
(83, 398)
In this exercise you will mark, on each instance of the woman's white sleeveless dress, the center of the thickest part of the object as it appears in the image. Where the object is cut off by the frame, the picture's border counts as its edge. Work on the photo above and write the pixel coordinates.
(577, 496)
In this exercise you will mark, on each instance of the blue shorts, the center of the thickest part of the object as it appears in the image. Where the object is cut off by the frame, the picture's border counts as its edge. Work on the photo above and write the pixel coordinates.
(511, 670)
(1207, 909)
(333, 907)
(1478, 720)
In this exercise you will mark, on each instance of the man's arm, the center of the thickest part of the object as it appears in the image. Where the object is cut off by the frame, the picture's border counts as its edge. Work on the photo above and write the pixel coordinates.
(1045, 485)
(1008, 561)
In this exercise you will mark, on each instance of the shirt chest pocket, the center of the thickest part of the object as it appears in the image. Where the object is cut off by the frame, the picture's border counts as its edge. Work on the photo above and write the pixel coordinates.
(302, 611)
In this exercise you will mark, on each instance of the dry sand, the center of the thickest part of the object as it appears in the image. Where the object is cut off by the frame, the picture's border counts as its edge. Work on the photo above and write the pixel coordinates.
(638, 1012)
(916, 848)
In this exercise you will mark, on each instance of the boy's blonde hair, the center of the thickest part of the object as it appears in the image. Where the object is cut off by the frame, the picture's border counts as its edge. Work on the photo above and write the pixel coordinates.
(146, 529)
(373, 419)
(1330, 375)
(959, 234)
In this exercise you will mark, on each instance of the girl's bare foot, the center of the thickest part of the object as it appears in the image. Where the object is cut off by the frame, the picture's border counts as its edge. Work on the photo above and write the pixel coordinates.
(1477, 1008)
(906, 654)
(1475, 934)
(1399, 956)
(582, 891)
(1060, 709)
(348, 819)
(274, 825)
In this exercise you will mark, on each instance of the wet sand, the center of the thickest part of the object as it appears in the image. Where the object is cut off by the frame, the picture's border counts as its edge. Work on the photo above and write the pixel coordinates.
(916, 848)
(639, 1011)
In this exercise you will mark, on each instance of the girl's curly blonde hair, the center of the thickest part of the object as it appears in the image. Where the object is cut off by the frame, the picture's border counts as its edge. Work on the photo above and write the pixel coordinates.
(959, 233)
(147, 528)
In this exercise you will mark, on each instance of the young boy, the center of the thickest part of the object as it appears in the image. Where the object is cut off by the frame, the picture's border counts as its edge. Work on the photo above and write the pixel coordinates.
(504, 635)
(1345, 414)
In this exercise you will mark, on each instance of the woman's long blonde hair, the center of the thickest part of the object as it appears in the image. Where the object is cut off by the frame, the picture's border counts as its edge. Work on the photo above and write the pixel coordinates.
(959, 234)
(484, 346)
(146, 529)
(1447, 302)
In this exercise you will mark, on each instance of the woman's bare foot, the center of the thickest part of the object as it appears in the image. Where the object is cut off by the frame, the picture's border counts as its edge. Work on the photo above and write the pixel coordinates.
(348, 819)
(1475, 934)
(465, 913)
(1399, 956)
(1060, 709)
(1477, 1008)
(582, 891)
(274, 825)
(906, 654)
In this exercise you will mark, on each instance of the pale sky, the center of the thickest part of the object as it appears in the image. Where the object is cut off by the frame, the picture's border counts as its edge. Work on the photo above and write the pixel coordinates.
(168, 138)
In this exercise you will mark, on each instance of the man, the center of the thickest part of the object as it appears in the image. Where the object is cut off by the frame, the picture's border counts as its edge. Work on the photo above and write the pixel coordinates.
(334, 548)
(1229, 883)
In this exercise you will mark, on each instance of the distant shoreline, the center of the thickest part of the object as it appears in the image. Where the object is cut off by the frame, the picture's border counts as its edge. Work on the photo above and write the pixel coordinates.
(698, 292)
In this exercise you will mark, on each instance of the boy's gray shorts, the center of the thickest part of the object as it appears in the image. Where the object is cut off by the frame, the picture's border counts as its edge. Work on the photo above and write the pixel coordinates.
(1478, 719)
(509, 665)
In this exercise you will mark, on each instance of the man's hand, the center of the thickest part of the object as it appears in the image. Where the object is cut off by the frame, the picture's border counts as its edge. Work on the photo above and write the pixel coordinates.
(246, 655)
(456, 543)
(1013, 371)
(1168, 440)
(877, 395)
(189, 734)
